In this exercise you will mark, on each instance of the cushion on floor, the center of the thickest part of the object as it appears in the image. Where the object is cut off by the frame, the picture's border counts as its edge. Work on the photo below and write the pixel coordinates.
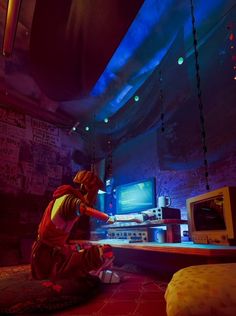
(20, 294)
(203, 290)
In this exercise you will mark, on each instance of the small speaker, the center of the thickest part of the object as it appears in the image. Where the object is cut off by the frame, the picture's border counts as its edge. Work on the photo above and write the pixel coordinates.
(168, 213)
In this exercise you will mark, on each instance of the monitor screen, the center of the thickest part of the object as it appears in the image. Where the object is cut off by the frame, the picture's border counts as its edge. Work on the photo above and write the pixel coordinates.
(136, 196)
(212, 218)
(209, 214)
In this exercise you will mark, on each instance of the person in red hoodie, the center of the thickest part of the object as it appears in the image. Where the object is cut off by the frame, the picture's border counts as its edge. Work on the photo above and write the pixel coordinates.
(52, 256)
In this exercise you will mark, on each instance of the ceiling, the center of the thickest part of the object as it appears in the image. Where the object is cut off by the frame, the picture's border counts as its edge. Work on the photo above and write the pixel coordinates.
(76, 63)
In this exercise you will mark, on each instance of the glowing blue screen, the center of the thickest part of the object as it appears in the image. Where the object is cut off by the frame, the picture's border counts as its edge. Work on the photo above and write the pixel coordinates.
(135, 197)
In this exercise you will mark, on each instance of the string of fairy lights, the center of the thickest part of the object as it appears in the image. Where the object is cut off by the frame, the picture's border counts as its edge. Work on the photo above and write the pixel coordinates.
(232, 46)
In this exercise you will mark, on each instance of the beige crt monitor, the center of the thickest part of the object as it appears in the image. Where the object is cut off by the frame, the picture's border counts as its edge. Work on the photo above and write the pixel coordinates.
(212, 217)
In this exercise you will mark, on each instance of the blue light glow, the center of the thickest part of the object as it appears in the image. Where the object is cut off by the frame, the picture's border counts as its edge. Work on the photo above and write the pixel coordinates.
(202, 10)
(146, 44)
(135, 197)
(149, 14)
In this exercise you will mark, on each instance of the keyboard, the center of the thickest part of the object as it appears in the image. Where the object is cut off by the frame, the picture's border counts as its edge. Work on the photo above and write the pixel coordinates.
(138, 218)
(113, 241)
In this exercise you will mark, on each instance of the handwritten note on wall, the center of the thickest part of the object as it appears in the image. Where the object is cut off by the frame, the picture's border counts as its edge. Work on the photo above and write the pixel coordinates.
(45, 133)
(32, 156)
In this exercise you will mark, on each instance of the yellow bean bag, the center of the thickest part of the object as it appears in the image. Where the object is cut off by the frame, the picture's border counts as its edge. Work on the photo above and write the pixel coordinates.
(202, 290)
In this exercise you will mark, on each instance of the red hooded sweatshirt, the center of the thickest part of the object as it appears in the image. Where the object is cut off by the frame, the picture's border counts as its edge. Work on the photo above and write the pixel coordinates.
(47, 232)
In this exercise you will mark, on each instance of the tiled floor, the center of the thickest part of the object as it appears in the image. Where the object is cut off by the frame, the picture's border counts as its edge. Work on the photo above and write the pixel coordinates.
(136, 294)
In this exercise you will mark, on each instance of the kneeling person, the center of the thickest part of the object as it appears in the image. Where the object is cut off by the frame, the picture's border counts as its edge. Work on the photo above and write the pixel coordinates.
(52, 256)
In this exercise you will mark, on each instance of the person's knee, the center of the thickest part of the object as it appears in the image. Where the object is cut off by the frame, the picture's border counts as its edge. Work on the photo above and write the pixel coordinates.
(107, 251)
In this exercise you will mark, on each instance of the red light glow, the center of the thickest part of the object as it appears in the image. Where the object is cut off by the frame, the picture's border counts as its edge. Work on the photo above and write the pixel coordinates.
(231, 36)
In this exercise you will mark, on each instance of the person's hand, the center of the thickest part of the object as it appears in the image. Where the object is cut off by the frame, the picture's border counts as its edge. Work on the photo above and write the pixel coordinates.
(111, 220)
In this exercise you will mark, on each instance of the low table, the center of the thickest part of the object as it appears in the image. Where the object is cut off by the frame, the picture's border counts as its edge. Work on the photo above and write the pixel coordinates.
(167, 257)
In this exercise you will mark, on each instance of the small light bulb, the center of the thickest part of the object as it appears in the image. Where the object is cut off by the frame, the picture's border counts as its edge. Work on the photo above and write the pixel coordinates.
(106, 120)
(180, 60)
(74, 128)
(231, 36)
(136, 98)
(87, 128)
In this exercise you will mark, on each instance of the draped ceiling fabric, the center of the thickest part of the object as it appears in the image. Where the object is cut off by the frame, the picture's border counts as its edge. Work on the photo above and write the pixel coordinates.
(169, 38)
(94, 56)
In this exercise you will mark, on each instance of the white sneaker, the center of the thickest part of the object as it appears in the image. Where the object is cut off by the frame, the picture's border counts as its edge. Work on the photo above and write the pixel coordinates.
(109, 277)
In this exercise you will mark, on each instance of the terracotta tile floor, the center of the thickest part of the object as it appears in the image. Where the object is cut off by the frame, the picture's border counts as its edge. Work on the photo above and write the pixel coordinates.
(137, 294)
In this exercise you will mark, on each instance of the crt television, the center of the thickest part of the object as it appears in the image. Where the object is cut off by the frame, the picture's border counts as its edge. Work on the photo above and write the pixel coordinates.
(136, 196)
(212, 217)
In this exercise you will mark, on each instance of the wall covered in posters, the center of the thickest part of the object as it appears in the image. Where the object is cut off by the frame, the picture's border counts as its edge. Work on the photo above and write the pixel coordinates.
(35, 158)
